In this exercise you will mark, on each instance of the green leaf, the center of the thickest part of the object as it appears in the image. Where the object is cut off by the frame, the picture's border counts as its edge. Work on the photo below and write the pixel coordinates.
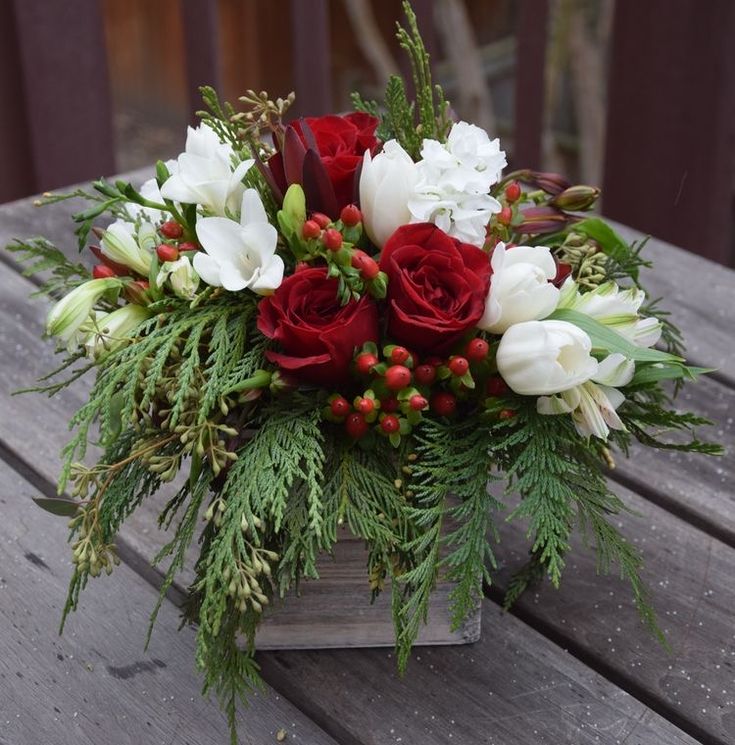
(663, 371)
(611, 243)
(58, 505)
(604, 339)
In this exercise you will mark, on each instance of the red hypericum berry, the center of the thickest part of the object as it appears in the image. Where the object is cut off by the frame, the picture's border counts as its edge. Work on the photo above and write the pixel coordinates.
(417, 403)
(187, 246)
(505, 216)
(476, 350)
(389, 404)
(496, 386)
(356, 425)
(339, 406)
(366, 265)
(321, 219)
(444, 404)
(390, 424)
(101, 271)
(513, 192)
(332, 239)
(172, 229)
(365, 406)
(425, 374)
(399, 355)
(397, 377)
(167, 253)
(506, 414)
(364, 362)
(350, 215)
(311, 229)
(459, 366)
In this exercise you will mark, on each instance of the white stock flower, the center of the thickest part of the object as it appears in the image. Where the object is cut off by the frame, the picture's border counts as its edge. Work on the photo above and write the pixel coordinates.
(386, 184)
(183, 279)
(593, 404)
(112, 330)
(454, 180)
(520, 289)
(205, 174)
(616, 308)
(240, 255)
(545, 357)
(122, 245)
(68, 315)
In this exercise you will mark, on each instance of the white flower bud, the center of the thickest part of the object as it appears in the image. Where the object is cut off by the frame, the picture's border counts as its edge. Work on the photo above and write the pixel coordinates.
(74, 309)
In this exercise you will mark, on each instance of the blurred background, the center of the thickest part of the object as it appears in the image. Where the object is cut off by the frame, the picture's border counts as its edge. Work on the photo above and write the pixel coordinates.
(637, 96)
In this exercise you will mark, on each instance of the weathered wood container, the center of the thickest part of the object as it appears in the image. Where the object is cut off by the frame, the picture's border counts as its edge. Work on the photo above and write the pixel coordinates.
(335, 610)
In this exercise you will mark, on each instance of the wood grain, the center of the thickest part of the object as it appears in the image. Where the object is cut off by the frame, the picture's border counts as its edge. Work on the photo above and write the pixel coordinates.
(95, 683)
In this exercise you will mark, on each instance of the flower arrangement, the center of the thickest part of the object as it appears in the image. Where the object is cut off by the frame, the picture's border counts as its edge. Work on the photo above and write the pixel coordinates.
(356, 320)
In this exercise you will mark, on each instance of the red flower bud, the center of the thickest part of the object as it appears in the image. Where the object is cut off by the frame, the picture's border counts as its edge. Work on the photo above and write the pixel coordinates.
(513, 192)
(390, 424)
(356, 425)
(365, 405)
(425, 374)
(477, 350)
(351, 216)
(417, 403)
(167, 253)
(496, 386)
(444, 404)
(397, 377)
(171, 229)
(332, 239)
(187, 246)
(505, 216)
(321, 219)
(399, 355)
(364, 362)
(339, 406)
(311, 229)
(101, 271)
(507, 414)
(459, 366)
(542, 219)
(366, 265)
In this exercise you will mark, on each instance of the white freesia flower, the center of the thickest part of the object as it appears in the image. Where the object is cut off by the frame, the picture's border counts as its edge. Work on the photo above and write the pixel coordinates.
(593, 404)
(122, 245)
(68, 315)
(520, 289)
(181, 275)
(205, 174)
(616, 308)
(386, 184)
(545, 357)
(240, 255)
(454, 180)
(113, 330)
(149, 190)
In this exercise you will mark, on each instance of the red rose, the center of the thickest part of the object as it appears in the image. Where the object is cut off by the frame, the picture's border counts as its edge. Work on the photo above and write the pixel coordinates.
(318, 336)
(329, 174)
(437, 287)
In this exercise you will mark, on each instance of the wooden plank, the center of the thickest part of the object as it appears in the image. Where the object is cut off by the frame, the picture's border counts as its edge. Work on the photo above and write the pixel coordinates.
(95, 683)
(66, 90)
(670, 61)
(692, 578)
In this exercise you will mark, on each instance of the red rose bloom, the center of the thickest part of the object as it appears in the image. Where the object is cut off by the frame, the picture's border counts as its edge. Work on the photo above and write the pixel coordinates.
(338, 144)
(437, 287)
(318, 336)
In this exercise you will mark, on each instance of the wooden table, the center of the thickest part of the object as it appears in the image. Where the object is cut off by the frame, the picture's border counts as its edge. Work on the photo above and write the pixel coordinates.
(568, 666)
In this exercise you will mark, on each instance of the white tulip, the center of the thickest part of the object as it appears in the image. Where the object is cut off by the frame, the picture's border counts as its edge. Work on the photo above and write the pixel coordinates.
(520, 289)
(544, 357)
(112, 330)
(205, 174)
(181, 275)
(68, 315)
(240, 255)
(613, 307)
(386, 184)
(120, 244)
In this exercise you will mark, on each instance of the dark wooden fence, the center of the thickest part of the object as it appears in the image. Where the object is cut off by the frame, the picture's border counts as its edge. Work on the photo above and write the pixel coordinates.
(670, 149)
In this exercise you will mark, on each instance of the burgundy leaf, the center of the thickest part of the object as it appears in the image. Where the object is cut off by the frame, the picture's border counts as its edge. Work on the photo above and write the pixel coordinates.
(293, 156)
(320, 196)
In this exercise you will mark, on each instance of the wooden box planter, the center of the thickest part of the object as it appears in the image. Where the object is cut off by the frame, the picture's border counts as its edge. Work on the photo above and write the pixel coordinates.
(335, 610)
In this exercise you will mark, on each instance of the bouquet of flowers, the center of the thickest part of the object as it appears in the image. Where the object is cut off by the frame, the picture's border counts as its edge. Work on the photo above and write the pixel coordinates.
(357, 320)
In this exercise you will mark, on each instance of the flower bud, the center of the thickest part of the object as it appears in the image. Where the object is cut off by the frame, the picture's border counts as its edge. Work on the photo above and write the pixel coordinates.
(543, 219)
(182, 277)
(119, 245)
(113, 330)
(576, 198)
(551, 183)
(74, 309)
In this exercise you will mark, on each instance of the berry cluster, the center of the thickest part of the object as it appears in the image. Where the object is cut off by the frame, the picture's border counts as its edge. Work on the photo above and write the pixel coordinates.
(400, 388)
